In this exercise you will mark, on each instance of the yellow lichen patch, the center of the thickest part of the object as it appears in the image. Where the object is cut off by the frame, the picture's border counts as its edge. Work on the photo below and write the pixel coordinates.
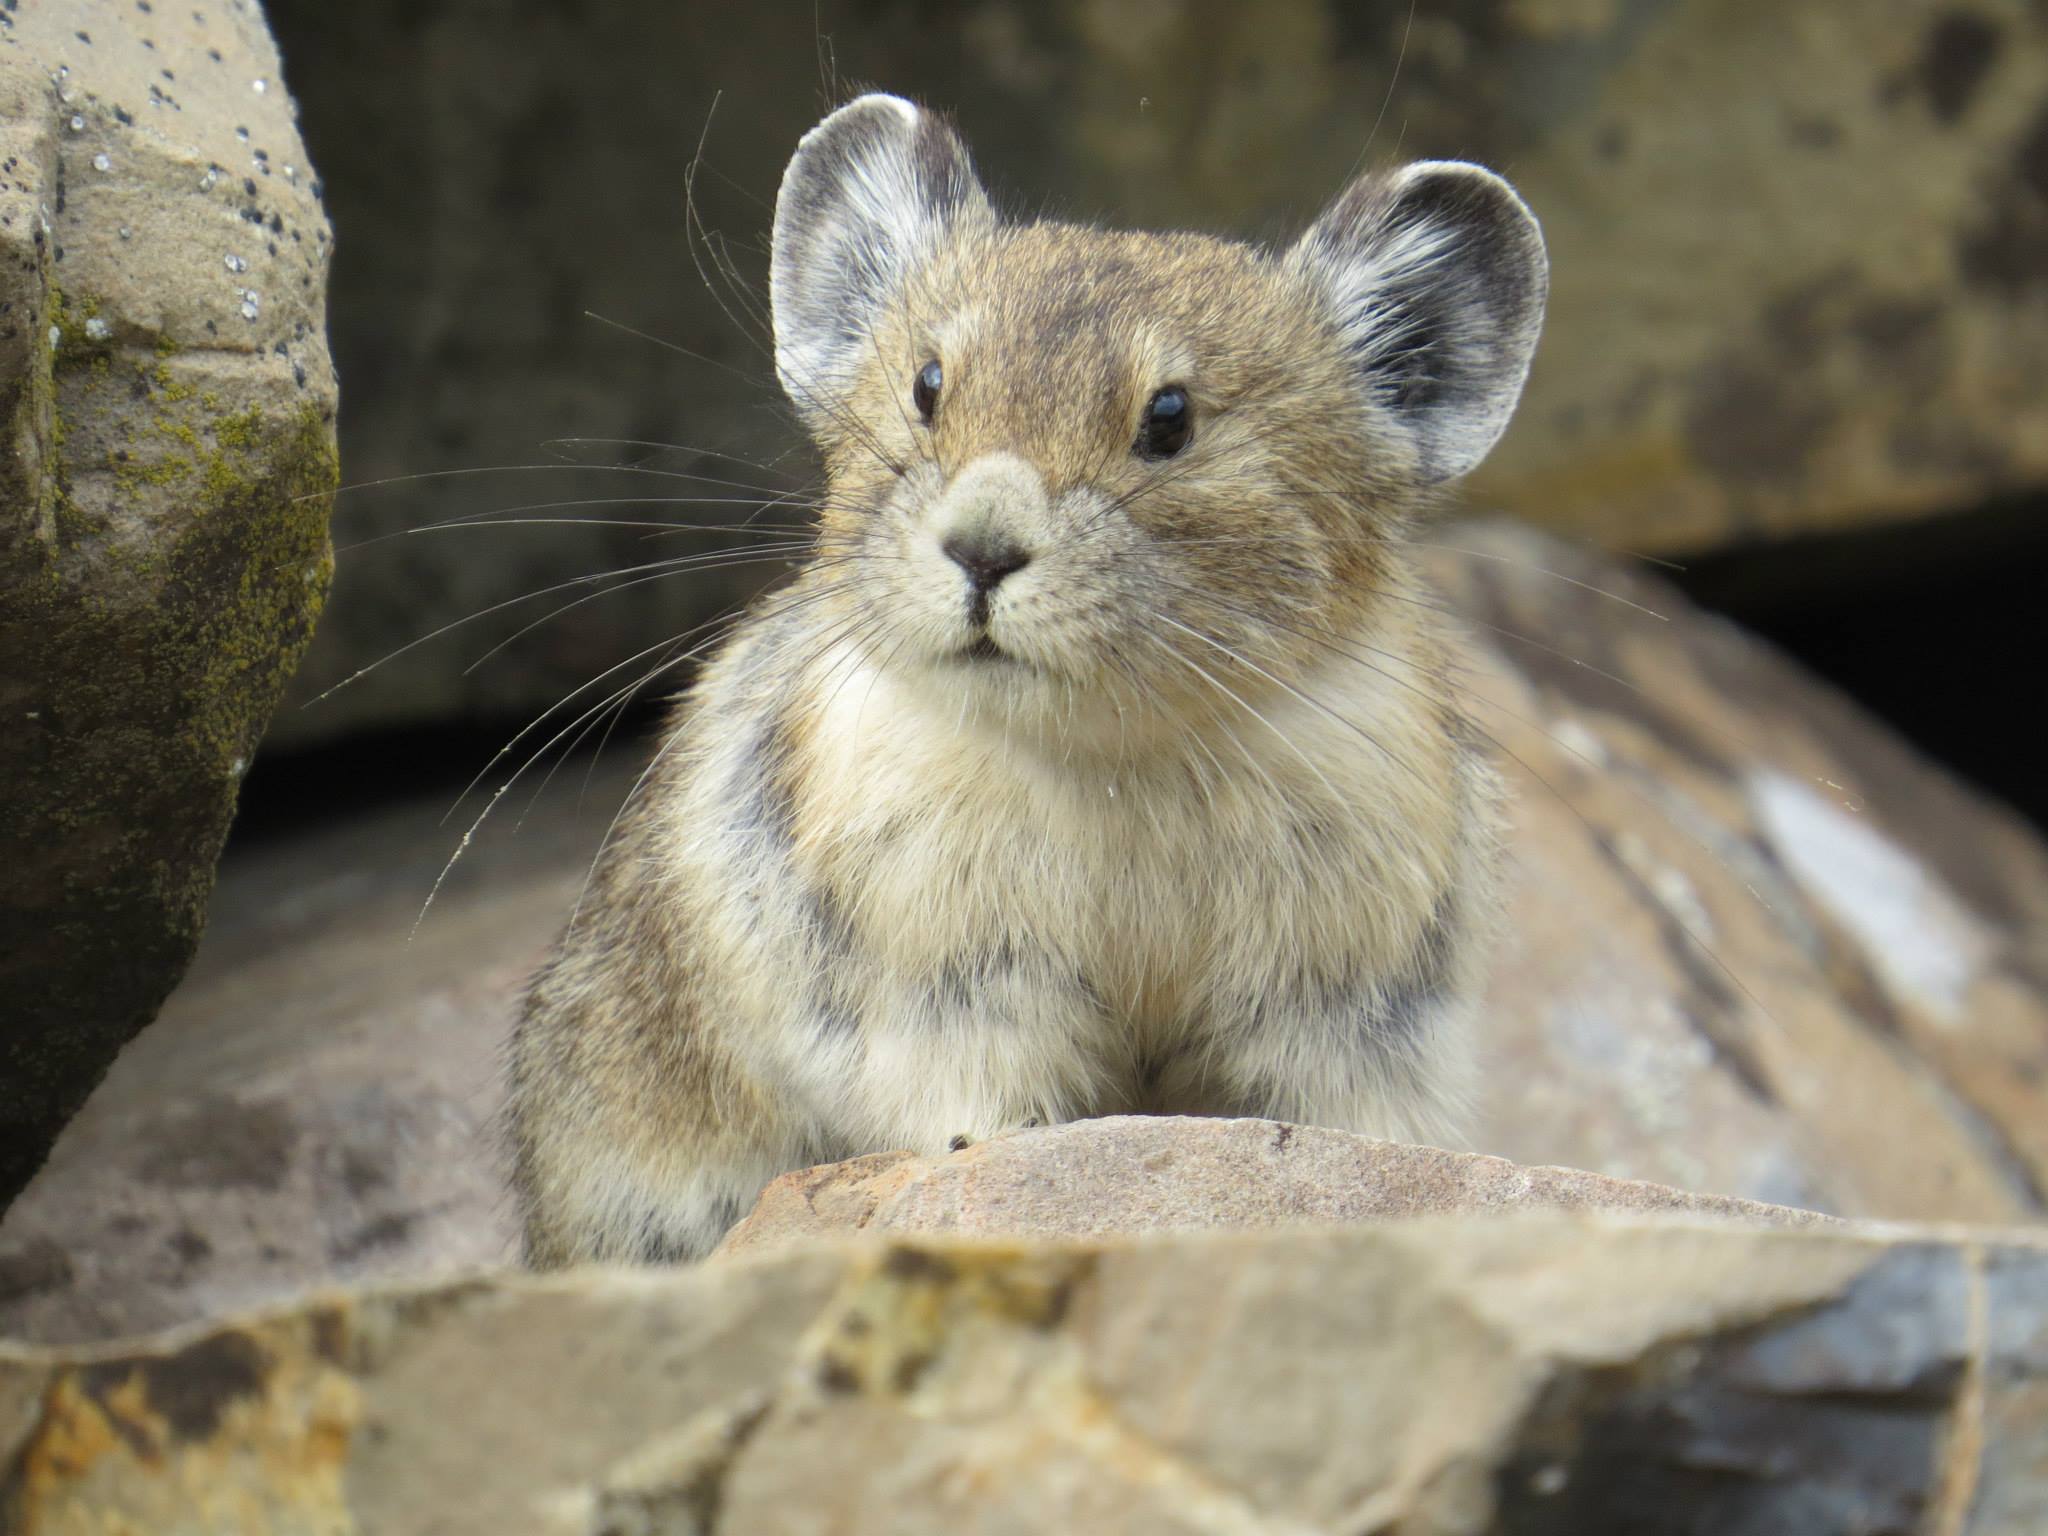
(241, 431)
(900, 1317)
(237, 1433)
(166, 383)
(74, 345)
(955, 1358)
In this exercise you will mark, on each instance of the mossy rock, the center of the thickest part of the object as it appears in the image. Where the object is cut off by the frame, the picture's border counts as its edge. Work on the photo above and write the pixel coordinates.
(168, 410)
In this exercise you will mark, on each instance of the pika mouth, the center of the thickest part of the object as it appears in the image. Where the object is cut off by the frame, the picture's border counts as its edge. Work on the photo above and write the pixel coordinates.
(983, 648)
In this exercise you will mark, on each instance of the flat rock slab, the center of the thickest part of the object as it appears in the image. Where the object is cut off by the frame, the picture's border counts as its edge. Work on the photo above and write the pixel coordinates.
(1444, 1377)
(1129, 1174)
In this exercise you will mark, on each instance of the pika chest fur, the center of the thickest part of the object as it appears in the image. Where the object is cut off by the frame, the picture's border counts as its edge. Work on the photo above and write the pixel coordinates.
(1105, 754)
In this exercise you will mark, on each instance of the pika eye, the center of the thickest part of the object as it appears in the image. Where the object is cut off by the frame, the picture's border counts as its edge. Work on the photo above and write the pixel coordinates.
(1167, 424)
(924, 389)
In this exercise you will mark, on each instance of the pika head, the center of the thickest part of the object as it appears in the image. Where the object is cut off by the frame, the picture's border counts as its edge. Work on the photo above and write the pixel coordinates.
(1071, 469)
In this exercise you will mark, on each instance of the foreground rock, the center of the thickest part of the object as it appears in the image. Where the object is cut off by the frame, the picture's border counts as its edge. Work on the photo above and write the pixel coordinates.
(1825, 313)
(1717, 973)
(1131, 1174)
(1437, 1378)
(168, 408)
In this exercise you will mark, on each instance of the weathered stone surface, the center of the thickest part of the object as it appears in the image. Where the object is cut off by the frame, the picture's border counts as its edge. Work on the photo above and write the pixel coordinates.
(1757, 945)
(168, 409)
(1860, 1029)
(1827, 308)
(318, 1102)
(1436, 1378)
(1130, 1174)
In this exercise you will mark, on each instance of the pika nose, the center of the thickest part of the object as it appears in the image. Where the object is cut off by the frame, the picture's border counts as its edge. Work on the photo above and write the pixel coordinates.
(986, 557)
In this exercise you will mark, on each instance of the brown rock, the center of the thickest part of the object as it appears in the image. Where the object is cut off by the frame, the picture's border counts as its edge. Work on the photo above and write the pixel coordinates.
(1756, 944)
(167, 407)
(1437, 1378)
(1129, 1174)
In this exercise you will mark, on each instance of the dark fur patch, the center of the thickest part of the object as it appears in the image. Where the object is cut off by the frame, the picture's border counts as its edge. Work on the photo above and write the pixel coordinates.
(1407, 1002)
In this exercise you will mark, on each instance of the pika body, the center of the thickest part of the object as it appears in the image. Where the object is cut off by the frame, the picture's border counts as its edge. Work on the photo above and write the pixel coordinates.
(1104, 756)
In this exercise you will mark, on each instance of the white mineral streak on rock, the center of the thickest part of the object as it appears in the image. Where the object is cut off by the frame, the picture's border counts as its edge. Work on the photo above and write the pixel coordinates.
(1917, 935)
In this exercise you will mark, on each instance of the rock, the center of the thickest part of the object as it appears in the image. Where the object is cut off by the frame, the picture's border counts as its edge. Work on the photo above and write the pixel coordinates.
(1441, 1377)
(1824, 313)
(1128, 1174)
(168, 410)
(318, 1102)
(1716, 973)
(1756, 945)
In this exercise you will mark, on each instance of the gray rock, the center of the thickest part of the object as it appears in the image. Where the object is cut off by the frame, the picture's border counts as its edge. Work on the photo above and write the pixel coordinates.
(1823, 313)
(1442, 1377)
(316, 1104)
(168, 411)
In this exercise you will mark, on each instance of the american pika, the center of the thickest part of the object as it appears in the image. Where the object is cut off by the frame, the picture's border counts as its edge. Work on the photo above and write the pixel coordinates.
(1105, 755)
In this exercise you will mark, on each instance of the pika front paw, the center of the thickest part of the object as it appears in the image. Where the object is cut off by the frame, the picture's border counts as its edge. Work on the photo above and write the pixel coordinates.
(966, 1139)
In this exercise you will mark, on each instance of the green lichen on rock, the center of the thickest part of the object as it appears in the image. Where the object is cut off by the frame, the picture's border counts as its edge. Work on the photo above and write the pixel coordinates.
(163, 641)
(164, 476)
(73, 342)
(260, 527)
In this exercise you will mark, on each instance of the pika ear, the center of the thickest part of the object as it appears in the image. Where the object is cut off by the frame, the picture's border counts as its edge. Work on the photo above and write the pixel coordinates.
(1435, 276)
(869, 193)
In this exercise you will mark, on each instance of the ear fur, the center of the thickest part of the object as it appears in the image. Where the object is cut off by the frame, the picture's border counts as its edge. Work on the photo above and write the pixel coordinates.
(1436, 278)
(868, 194)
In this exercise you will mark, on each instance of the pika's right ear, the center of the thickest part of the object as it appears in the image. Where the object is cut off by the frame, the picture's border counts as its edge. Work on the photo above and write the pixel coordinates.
(868, 195)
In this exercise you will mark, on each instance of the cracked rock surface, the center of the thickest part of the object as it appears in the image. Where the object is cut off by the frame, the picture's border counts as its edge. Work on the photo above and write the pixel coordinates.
(167, 408)
(1442, 1377)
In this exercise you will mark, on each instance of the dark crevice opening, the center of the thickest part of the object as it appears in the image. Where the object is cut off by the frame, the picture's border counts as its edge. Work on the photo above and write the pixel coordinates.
(332, 783)
(1935, 627)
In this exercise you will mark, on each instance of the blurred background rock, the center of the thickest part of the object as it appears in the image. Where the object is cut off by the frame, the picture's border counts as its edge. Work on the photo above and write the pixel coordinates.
(1798, 336)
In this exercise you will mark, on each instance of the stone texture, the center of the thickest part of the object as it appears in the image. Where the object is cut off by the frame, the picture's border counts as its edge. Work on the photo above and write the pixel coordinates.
(318, 1102)
(167, 406)
(1717, 973)
(1757, 945)
(1435, 1378)
(1797, 263)
(1128, 1174)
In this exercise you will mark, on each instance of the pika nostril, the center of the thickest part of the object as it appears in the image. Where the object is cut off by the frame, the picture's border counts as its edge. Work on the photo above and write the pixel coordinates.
(986, 560)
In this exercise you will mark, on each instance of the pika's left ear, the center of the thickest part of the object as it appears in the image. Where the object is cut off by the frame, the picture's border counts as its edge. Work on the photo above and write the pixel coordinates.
(870, 194)
(1435, 276)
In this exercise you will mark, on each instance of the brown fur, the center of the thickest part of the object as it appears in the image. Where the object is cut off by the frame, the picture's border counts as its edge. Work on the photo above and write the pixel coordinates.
(1207, 836)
